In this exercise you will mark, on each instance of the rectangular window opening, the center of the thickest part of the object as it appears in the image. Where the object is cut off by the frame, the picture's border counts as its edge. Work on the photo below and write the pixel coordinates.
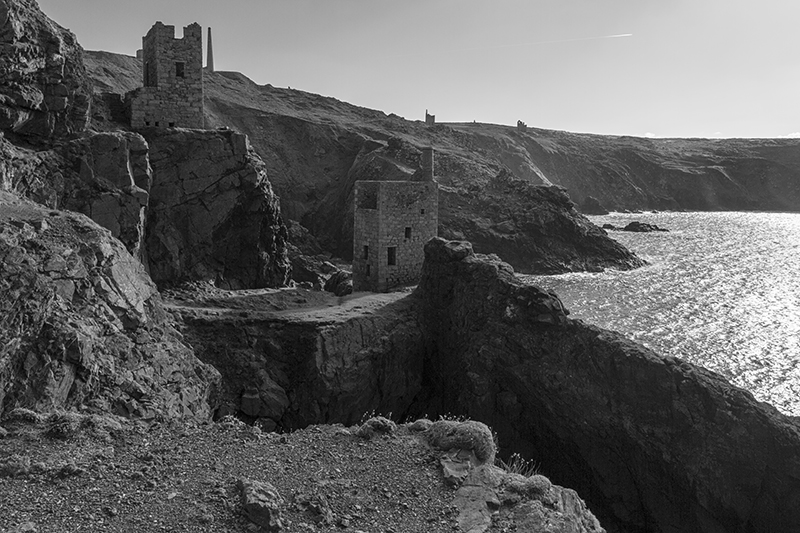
(171, 124)
(366, 252)
(156, 123)
(179, 69)
(146, 122)
(392, 255)
(421, 211)
(367, 271)
(408, 233)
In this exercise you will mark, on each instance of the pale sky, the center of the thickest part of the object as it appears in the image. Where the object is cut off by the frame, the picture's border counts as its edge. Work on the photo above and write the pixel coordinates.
(684, 68)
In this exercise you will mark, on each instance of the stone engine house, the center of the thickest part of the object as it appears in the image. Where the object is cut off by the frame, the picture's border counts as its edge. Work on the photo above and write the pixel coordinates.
(393, 221)
(172, 75)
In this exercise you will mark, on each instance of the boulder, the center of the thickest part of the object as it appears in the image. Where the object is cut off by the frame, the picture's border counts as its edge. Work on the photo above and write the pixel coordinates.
(213, 215)
(314, 270)
(261, 503)
(340, 283)
(654, 444)
(81, 324)
(44, 91)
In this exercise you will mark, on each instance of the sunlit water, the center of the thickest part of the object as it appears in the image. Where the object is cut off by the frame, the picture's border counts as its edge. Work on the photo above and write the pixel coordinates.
(722, 290)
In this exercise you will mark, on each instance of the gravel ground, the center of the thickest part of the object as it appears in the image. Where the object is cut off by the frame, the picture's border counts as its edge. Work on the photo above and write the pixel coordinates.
(88, 473)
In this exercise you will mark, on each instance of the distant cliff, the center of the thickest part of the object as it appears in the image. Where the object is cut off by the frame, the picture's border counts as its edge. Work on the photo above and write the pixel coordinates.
(315, 148)
(620, 172)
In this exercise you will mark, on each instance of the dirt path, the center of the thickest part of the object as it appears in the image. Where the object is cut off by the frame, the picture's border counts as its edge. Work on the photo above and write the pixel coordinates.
(289, 304)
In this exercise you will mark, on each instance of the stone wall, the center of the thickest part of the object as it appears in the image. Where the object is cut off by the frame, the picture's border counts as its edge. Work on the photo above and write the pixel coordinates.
(403, 219)
(172, 75)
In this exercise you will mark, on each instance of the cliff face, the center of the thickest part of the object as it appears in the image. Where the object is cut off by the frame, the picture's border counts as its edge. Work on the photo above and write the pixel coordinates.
(213, 215)
(295, 368)
(81, 324)
(315, 148)
(639, 173)
(44, 91)
(653, 443)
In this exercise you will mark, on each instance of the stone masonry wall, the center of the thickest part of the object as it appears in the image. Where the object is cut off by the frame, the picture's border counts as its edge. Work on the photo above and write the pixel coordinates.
(405, 217)
(172, 75)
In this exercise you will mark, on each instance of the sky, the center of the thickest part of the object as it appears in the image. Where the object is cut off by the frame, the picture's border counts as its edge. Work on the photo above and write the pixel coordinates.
(656, 68)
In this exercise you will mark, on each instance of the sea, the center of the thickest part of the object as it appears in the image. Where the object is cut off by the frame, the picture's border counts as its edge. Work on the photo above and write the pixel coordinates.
(721, 290)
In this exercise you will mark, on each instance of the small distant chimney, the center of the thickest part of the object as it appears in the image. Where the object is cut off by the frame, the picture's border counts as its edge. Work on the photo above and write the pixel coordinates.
(427, 164)
(210, 54)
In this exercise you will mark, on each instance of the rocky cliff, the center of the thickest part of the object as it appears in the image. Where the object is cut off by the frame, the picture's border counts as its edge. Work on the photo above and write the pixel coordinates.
(315, 148)
(653, 443)
(81, 324)
(293, 358)
(213, 215)
(44, 92)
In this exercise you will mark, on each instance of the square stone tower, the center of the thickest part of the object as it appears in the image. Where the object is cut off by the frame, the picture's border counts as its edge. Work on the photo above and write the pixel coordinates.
(393, 221)
(172, 75)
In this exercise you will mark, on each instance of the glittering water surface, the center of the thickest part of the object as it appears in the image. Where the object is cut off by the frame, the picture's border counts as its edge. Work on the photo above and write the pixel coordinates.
(722, 290)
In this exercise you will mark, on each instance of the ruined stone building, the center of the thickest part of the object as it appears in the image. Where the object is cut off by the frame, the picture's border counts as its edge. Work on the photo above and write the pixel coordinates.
(430, 120)
(172, 78)
(393, 221)
(521, 126)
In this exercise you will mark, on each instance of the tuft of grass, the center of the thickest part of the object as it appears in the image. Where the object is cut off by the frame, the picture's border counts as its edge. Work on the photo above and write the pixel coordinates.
(517, 464)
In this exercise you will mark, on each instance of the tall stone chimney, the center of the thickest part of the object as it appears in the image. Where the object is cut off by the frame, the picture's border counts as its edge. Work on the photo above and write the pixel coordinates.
(427, 164)
(210, 54)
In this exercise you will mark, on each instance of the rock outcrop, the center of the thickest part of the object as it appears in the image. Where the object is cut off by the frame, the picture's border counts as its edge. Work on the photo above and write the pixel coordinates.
(105, 176)
(108, 180)
(81, 324)
(44, 91)
(290, 371)
(653, 443)
(213, 215)
(635, 227)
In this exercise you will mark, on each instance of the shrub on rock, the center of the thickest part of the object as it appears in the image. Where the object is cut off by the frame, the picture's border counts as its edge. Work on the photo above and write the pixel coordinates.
(466, 435)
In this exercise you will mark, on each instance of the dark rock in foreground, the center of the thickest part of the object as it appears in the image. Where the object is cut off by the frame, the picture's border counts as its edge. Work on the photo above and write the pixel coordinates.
(653, 443)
